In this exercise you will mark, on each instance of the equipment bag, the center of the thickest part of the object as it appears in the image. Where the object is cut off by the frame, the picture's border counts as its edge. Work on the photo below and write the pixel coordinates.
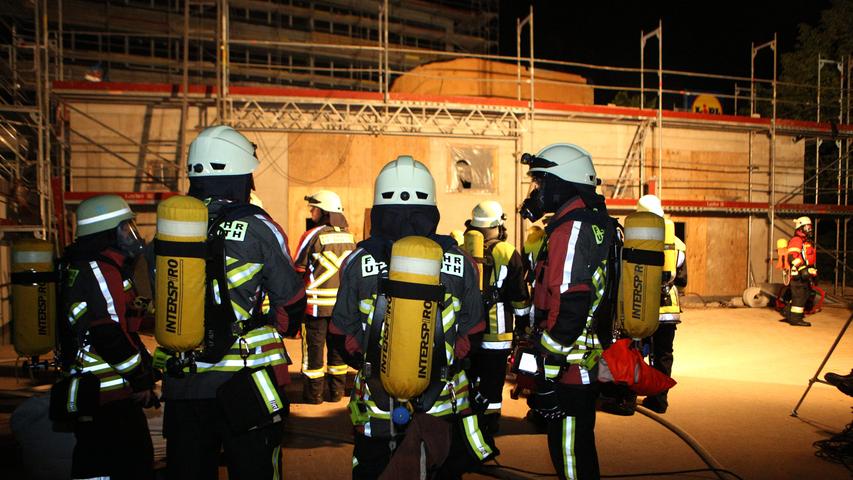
(623, 364)
(250, 399)
(75, 398)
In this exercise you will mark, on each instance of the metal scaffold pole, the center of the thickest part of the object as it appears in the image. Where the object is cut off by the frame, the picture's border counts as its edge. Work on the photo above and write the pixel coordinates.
(749, 278)
(847, 172)
(772, 199)
(771, 210)
(532, 83)
(41, 65)
(657, 33)
(222, 61)
(839, 65)
(384, 68)
(838, 144)
(519, 27)
(185, 86)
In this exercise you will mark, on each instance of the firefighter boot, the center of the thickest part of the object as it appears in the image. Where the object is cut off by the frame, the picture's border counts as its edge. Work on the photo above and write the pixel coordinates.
(490, 423)
(656, 403)
(336, 384)
(786, 314)
(312, 390)
(622, 403)
(844, 383)
(796, 320)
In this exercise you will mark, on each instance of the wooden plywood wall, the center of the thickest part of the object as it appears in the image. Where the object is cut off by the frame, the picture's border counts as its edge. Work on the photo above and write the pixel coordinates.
(697, 165)
(345, 164)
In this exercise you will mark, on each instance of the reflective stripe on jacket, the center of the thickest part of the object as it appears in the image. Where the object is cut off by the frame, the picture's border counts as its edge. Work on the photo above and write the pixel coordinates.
(565, 277)
(96, 296)
(355, 313)
(508, 289)
(259, 270)
(670, 309)
(801, 253)
(321, 252)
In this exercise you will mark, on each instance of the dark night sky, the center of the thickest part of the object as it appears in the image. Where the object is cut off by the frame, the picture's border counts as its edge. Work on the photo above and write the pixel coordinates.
(709, 37)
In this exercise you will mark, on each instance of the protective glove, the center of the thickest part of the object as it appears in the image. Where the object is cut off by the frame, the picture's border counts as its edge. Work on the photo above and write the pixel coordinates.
(146, 398)
(522, 328)
(546, 401)
(812, 272)
(553, 366)
(142, 307)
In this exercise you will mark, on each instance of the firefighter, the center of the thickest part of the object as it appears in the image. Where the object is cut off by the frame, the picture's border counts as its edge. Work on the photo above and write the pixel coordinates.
(258, 266)
(506, 304)
(321, 251)
(670, 310)
(802, 257)
(405, 205)
(98, 298)
(568, 285)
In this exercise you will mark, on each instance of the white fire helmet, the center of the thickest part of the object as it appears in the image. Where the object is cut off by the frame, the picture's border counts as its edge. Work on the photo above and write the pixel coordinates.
(221, 151)
(650, 203)
(404, 181)
(326, 200)
(487, 214)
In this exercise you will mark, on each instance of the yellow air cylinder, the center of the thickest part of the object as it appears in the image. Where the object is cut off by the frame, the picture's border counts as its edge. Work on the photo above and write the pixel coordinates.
(533, 243)
(33, 297)
(670, 255)
(642, 265)
(180, 280)
(782, 254)
(473, 244)
(414, 291)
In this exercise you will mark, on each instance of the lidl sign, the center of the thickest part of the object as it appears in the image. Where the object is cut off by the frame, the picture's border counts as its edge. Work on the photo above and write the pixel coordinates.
(706, 104)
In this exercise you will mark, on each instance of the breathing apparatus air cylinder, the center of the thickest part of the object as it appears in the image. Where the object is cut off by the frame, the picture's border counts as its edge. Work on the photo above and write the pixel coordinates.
(670, 255)
(180, 246)
(414, 291)
(474, 244)
(642, 266)
(33, 297)
(782, 254)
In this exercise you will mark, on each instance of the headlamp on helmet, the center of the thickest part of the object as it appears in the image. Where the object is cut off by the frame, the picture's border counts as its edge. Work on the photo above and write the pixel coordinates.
(325, 200)
(557, 173)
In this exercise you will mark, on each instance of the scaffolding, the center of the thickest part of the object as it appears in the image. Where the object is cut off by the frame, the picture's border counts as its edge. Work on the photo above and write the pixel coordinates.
(28, 150)
(214, 68)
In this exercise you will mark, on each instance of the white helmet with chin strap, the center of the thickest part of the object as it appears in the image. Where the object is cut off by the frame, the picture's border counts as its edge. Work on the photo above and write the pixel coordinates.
(326, 200)
(221, 151)
(650, 203)
(487, 214)
(404, 181)
(800, 222)
(565, 161)
(102, 213)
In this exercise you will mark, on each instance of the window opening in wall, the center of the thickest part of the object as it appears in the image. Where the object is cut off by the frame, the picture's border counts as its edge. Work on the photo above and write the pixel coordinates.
(472, 169)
